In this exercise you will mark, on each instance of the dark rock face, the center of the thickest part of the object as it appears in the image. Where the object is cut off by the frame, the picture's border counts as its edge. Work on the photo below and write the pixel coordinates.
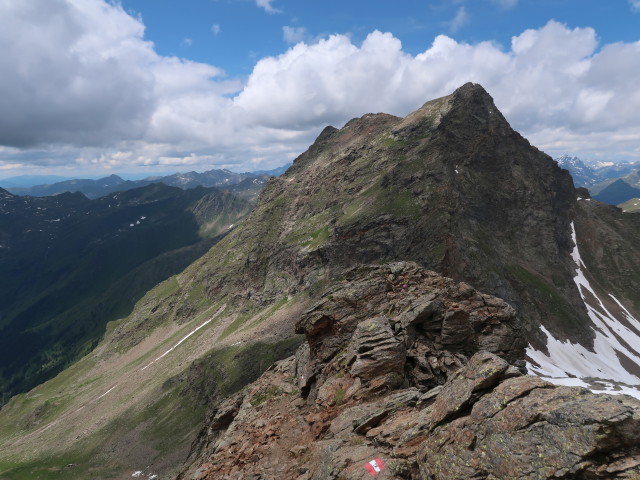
(381, 377)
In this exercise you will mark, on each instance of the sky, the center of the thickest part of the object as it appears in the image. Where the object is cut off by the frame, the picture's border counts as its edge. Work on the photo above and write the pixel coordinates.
(92, 87)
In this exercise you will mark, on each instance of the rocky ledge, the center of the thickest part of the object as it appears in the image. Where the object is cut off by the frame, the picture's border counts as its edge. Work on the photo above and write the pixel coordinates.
(425, 375)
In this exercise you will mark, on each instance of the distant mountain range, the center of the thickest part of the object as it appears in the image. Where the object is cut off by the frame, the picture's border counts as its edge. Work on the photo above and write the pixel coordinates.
(583, 175)
(96, 188)
(614, 184)
(30, 180)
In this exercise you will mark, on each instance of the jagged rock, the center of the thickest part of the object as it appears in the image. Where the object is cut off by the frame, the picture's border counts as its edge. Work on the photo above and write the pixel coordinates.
(375, 349)
(483, 371)
(383, 315)
(382, 410)
(488, 420)
(527, 428)
(304, 373)
(359, 375)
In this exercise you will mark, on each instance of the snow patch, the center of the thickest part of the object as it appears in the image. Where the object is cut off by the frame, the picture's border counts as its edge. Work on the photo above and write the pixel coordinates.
(570, 363)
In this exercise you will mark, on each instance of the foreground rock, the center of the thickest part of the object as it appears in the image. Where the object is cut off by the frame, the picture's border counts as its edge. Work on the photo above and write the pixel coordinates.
(421, 372)
(524, 427)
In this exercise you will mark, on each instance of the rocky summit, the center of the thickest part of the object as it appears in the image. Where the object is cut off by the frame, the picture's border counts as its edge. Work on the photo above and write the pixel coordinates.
(419, 268)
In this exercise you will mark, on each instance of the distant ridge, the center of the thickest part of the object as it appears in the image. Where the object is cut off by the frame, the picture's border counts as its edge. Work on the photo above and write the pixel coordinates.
(95, 188)
(22, 181)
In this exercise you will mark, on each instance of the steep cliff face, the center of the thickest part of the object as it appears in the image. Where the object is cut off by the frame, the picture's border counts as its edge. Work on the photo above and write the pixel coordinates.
(416, 372)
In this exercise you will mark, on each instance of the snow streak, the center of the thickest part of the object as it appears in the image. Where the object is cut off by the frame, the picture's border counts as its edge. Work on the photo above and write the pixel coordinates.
(615, 348)
(177, 344)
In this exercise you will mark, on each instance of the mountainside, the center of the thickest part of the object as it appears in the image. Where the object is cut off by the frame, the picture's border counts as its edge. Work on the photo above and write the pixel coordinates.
(450, 187)
(68, 265)
(617, 192)
(113, 183)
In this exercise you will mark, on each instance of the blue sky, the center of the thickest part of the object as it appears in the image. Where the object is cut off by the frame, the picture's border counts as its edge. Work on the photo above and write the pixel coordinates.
(232, 34)
(157, 86)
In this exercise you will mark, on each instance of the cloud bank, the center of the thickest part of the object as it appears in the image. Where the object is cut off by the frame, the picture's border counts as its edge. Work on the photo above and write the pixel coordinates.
(81, 86)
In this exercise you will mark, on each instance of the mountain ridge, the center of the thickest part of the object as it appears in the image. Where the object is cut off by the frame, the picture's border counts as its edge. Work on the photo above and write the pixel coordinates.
(114, 183)
(451, 187)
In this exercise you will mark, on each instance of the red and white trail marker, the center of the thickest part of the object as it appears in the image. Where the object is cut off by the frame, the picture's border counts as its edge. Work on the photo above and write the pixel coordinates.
(375, 466)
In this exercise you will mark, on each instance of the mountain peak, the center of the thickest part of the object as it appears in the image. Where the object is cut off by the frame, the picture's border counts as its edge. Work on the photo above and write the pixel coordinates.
(583, 175)
(471, 89)
(467, 108)
(473, 101)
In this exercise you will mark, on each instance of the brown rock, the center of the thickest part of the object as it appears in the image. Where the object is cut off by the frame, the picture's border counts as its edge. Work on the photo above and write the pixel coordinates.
(376, 350)
(483, 371)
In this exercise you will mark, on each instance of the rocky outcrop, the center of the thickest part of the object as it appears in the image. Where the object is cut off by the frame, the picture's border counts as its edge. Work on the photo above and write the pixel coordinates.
(398, 322)
(422, 372)
(485, 426)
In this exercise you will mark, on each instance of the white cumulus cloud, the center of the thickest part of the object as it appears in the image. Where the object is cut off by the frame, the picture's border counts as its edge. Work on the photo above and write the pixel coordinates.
(72, 70)
(84, 88)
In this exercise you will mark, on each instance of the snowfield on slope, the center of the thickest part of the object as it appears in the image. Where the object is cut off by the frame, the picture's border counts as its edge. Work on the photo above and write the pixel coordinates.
(615, 345)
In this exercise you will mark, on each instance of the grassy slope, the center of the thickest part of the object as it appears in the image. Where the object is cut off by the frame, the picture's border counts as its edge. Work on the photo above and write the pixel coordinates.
(632, 205)
(59, 314)
(149, 415)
